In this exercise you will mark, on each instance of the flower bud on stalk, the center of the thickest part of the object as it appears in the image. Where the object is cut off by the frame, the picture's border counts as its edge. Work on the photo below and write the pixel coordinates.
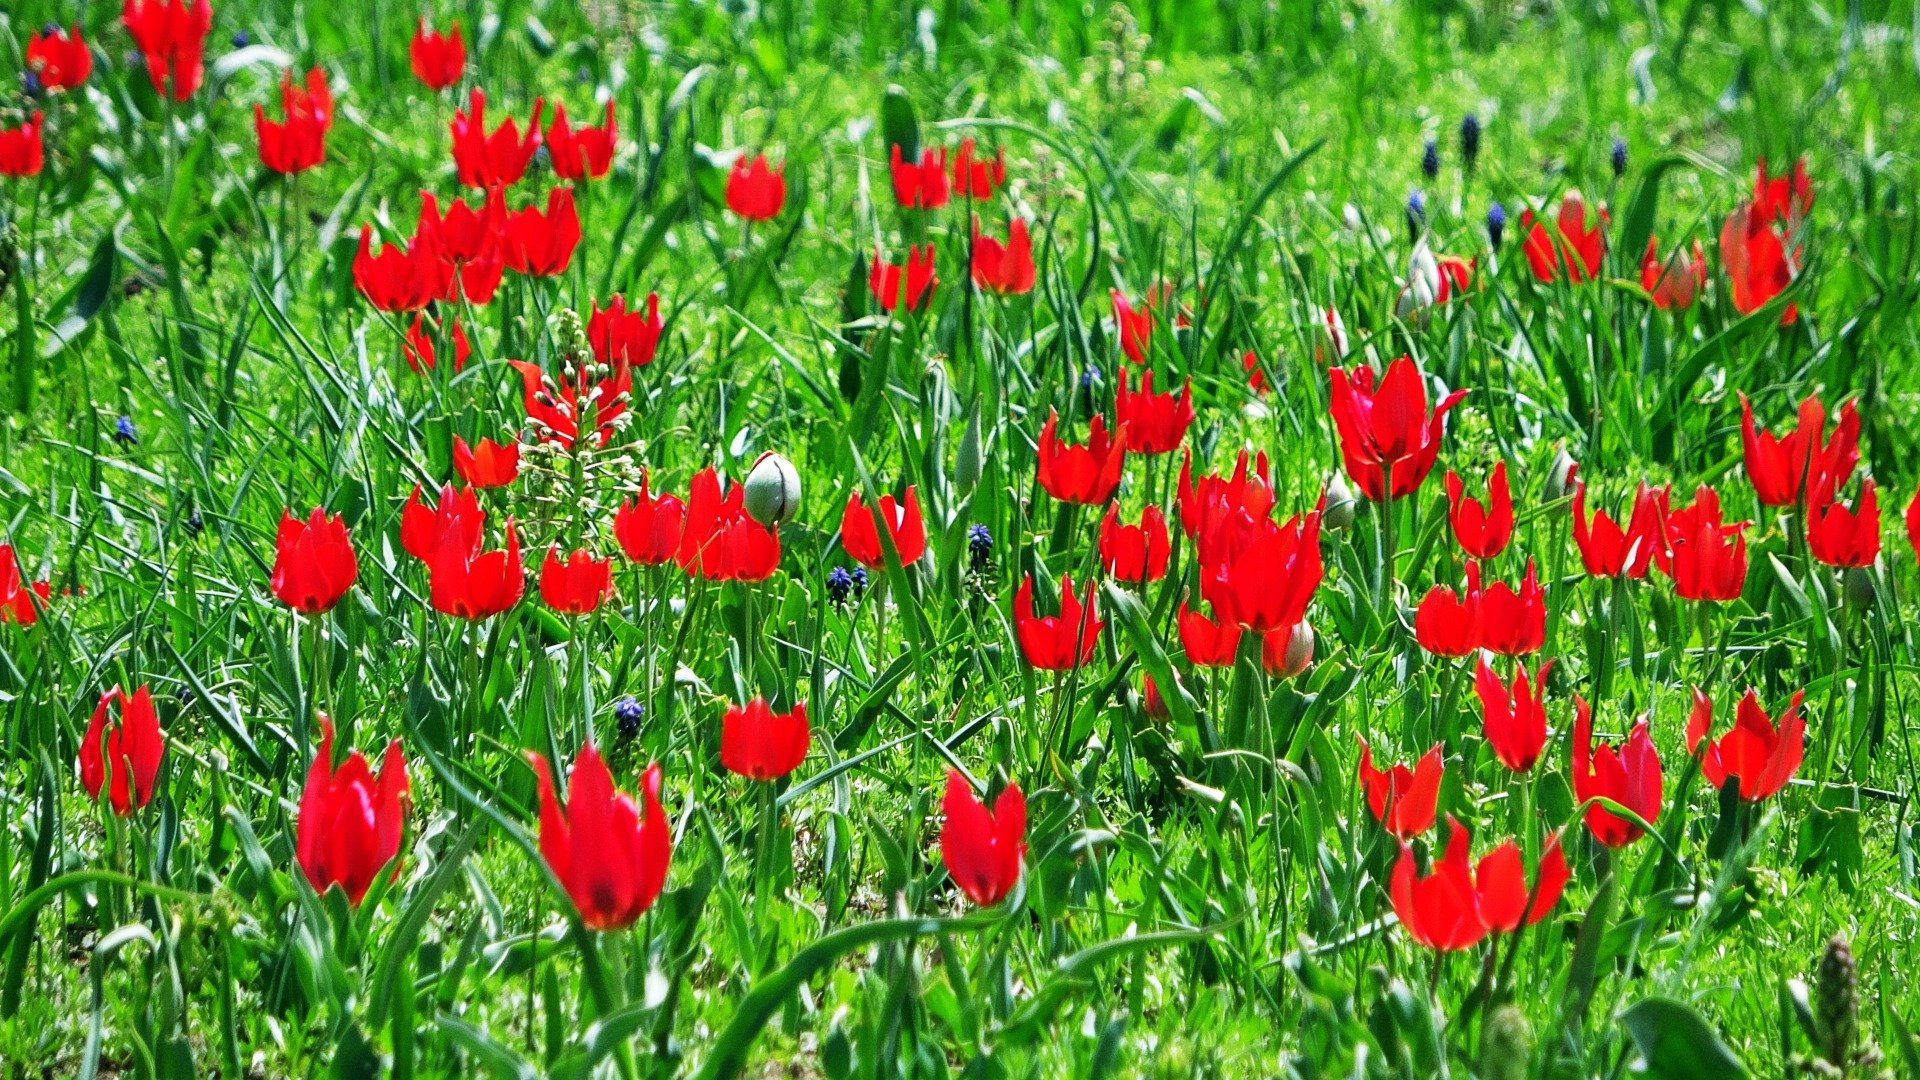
(773, 490)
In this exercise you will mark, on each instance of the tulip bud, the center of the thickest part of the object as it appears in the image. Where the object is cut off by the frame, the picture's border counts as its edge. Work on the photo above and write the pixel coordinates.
(1340, 507)
(1296, 656)
(1560, 475)
(1506, 1045)
(968, 460)
(1858, 587)
(773, 490)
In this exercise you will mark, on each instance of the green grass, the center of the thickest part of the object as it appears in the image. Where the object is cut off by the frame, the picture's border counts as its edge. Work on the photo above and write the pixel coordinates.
(1190, 906)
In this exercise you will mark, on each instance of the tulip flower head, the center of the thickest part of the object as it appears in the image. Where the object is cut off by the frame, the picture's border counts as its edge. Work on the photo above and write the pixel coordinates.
(172, 38)
(1155, 423)
(978, 178)
(351, 820)
(22, 150)
(1266, 582)
(1087, 473)
(1513, 622)
(487, 464)
(720, 542)
(1705, 556)
(1459, 903)
(541, 244)
(1514, 719)
(313, 564)
(1481, 528)
(402, 277)
(122, 749)
(1843, 538)
(1223, 515)
(609, 857)
(421, 354)
(756, 192)
(860, 534)
(760, 744)
(1058, 642)
(1388, 431)
(1804, 464)
(1288, 652)
(1447, 623)
(1207, 643)
(577, 584)
(1134, 553)
(648, 526)
(982, 848)
(584, 153)
(298, 142)
(620, 336)
(559, 410)
(1404, 800)
(1628, 774)
(922, 185)
(437, 58)
(484, 159)
(1607, 550)
(1572, 249)
(466, 234)
(1133, 326)
(1005, 269)
(17, 597)
(1756, 252)
(455, 517)
(59, 58)
(904, 288)
(1675, 282)
(1759, 754)
(475, 585)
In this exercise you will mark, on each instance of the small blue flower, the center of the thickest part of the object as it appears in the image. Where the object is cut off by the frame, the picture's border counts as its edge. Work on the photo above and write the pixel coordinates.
(1496, 224)
(241, 39)
(627, 713)
(194, 524)
(1469, 139)
(123, 432)
(1430, 161)
(1619, 157)
(1090, 378)
(30, 84)
(1416, 213)
(49, 29)
(860, 581)
(839, 585)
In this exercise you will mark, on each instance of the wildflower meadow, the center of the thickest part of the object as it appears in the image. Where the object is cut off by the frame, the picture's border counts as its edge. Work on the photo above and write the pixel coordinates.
(656, 538)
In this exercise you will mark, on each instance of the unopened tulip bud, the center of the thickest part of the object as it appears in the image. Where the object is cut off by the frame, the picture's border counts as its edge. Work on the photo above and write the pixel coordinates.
(773, 490)
(1560, 475)
(1340, 506)
(1288, 658)
(1859, 589)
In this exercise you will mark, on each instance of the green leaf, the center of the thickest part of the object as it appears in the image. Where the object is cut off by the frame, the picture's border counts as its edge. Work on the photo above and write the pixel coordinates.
(1677, 1044)
(898, 124)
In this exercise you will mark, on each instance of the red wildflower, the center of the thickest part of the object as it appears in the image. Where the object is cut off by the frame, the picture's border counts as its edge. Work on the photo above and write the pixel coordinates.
(541, 245)
(611, 861)
(1208, 643)
(1134, 325)
(22, 151)
(908, 287)
(483, 160)
(1629, 775)
(1482, 529)
(1705, 556)
(1513, 622)
(648, 526)
(1155, 423)
(1085, 474)
(418, 348)
(978, 179)
(1606, 549)
(1576, 249)
(16, 595)
(1784, 469)
(1403, 800)
(401, 278)
(1223, 514)
(981, 849)
(760, 744)
(1759, 753)
(1389, 431)
(577, 584)
(1514, 719)
(172, 38)
(1456, 905)
(619, 336)
(471, 584)
(123, 755)
(1135, 553)
(581, 154)
(1842, 538)
(720, 542)
(313, 565)
(1758, 268)
(298, 142)
(437, 58)
(466, 234)
(59, 58)
(1787, 197)
(1267, 584)
(487, 464)
(1057, 642)
(1675, 283)
(559, 410)
(1447, 623)
(456, 513)
(922, 186)
(351, 821)
(1006, 269)
(754, 191)
(860, 534)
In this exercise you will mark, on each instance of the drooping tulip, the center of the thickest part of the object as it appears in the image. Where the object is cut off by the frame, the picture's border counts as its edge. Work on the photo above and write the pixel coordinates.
(611, 860)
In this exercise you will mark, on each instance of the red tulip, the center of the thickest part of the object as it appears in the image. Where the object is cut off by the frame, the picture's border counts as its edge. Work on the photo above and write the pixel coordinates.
(401, 278)
(1085, 474)
(1267, 584)
(16, 595)
(474, 585)
(1674, 283)
(465, 234)
(122, 755)
(1134, 553)
(1609, 551)
(1785, 469)
(1787, 197)
(456, 514)
(648, 527)
(1006, 269)
(559, 410)
(577, 584)
(619, 336)
(483, 160)
(1256, 378)
(720, 542)
(1287, 652)
(1431, 280)
(1388, 432)
(487, 464)
(1760, 754)
(418, 350)
(1706, 557)
(584, 153)
(1151, 701)
(1513, 622)
(1057, 642)
(760, 744)
(922, 186)
(172, 38)
(1447, 623)
(1208, 643)
(59, 58)
(1913, 526)
(1155, 423)
(1514, 720)
(437, 58)
(611, 861)
(978, 179)
(313, 564)
(754, 191)
(860, 534)
(351, 820)
(908, 287)
(1576, 250)
(1458, 904)
(981, 849)
(1223, 515)
(541, 245)
(1840, 537)
(1629, 775)
(1403, 800)
(22, 152)
(299, 142)
(1134, 325)
(1482, 529)
(1759, 266)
